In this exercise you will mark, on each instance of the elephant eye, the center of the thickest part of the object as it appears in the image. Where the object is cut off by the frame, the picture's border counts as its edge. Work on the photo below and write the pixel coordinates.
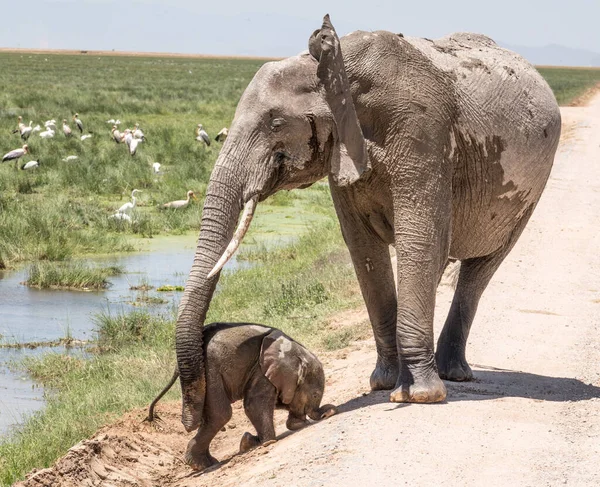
(276, 124)
(281, 157)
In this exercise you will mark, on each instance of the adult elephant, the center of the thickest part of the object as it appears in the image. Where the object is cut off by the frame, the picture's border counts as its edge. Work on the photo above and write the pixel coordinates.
(440, 148)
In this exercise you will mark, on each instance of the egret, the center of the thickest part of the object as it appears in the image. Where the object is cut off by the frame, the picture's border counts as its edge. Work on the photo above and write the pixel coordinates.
(156, 167)
(137, 133)
(201, 135)
(180, 203)
(116, 135)
(127, 207)
(78, 122)
(66, 128)
(15, 154)
(37, 128)
(70, 158)
(121, 216)
(86, 136)
(47, 134)
(222, 135)
(114, 122)
(30, 165)
(50, 124)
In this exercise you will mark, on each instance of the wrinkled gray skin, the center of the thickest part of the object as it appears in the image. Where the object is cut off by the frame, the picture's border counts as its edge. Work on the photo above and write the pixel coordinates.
(441, 148)
(265, 368)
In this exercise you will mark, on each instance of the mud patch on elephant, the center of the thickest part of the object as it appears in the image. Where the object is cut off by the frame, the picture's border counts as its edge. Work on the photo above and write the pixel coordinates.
(473, 63)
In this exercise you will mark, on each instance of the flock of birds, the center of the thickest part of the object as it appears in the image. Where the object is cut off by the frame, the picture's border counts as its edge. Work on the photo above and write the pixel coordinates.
(131, 137)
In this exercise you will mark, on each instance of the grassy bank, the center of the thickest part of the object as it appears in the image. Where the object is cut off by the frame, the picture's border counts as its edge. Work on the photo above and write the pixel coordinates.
(294, 288)
(569, 84)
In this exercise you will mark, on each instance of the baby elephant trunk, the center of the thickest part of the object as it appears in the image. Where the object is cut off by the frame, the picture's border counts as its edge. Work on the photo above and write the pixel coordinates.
(323, 412)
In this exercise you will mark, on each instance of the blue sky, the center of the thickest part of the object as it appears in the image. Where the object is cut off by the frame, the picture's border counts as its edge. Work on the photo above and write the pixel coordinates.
(280, 28)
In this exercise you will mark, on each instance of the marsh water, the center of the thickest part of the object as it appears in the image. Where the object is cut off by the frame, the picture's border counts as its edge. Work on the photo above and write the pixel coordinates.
(29, 315)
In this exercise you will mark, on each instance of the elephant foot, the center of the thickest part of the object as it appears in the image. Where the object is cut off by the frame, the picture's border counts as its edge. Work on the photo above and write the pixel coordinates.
(427, 389)
(453, 368)
(198, 460)
(248, 442)
(294, 423)
(384, 376)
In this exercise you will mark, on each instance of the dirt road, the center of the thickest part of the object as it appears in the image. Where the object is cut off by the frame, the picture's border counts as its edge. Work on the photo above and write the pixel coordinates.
(531, 417)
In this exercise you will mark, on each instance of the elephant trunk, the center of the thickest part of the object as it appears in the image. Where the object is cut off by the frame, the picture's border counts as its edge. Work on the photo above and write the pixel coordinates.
(323, 412)
(224, 199)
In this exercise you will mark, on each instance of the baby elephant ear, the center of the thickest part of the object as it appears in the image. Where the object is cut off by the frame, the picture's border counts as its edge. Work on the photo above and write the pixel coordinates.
(281, 362)
(352, 160)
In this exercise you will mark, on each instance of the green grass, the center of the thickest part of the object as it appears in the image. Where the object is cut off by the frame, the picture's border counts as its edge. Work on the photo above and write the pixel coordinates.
(70, 275)
(134, 356)
(570, 83)
(62, 208)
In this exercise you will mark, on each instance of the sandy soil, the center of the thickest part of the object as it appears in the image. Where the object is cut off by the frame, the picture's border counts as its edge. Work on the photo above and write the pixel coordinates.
(530, 418)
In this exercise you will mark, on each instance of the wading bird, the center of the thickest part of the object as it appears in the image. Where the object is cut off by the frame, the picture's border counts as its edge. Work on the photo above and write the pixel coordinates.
(156, 167)
(26, 130)
(137, 133)
(15, 154)
(30, 165)
(66, 129)
(78, 122)
(47, 134)
(70, 158)
(116, 135)
(86, 136)
(133, 146)
(129, 206)
(175, 205)
(201, 135)
(121, 217)
(222, 135)
(114, 122)
(19, 124)
(50, 124)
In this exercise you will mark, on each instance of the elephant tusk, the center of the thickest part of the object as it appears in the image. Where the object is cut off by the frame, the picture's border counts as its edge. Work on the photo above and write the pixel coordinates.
(238, 236)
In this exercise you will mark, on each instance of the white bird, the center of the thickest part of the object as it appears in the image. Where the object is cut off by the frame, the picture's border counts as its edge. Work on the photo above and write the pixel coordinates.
(114, 122)
(78, 122)
(86, 136)
(222, 135)
(50, 124)
(66, 129)
(201, 135)
(127, 136)
(127, 207)
(133, 146)
(116, 135)
(15, 154)
(70, 158)
(37, 128)
(30, 165)
(137, 133)
(47, 134)
(121, 216)
(26, 130)
(156, 167)
(179, 203)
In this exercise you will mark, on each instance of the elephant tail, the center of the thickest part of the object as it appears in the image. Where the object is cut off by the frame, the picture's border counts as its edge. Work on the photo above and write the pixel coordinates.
(151, 415)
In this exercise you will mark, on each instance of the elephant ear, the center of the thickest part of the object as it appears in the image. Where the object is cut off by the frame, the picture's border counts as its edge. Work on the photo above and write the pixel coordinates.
(352, 160)
(281, 360)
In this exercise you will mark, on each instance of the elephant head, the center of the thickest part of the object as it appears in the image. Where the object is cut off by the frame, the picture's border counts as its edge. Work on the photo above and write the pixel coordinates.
(294, 124)
(298, 377)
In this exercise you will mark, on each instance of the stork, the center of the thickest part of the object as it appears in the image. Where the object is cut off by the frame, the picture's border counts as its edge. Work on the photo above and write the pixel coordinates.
(178, 204)
(26, 130)
(78, 122)
(137, 133)
(19, 125)
(222, 135)
(15, 154)
(201, 135)
(133, 145)
(66, 129)
(116, 135)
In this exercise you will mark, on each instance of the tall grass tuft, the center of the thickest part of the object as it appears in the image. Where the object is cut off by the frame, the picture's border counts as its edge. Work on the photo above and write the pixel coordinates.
(70, 275)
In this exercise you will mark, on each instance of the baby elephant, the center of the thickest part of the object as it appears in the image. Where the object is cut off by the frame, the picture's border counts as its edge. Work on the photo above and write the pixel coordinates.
(265, 368)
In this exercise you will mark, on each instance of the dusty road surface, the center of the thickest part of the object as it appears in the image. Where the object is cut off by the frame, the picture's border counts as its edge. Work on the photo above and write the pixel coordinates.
(530, 418)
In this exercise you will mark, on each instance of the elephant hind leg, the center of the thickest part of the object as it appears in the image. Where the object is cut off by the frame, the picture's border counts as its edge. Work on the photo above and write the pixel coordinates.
(475, 274)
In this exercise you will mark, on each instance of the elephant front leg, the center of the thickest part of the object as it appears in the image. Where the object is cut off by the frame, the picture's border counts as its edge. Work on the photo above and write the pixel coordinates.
(373, 267)
(421, 248)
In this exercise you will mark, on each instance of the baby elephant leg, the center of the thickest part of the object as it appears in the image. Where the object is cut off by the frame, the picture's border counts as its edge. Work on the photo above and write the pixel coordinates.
(217, 412)
(259, 404)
